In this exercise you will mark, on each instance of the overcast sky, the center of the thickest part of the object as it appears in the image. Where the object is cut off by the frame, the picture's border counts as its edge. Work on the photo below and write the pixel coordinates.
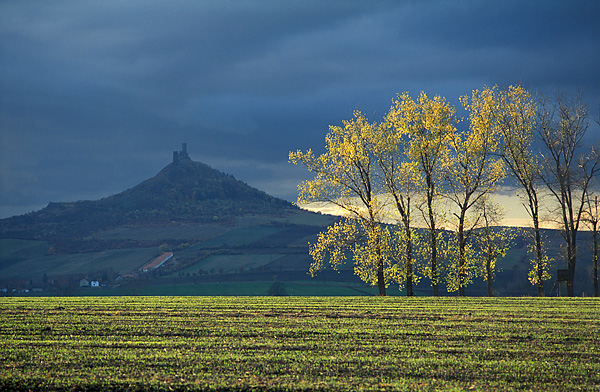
(96, 95)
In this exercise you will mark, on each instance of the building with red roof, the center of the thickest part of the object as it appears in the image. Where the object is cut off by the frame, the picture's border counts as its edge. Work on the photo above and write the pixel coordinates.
(156, 263)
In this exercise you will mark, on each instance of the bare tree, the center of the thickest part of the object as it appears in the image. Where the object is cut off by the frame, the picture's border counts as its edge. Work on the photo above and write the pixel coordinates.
(568, 172)
(592, 219)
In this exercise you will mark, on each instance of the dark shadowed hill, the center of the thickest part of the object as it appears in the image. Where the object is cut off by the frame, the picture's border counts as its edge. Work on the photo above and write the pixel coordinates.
(184, 191)
(217, 228)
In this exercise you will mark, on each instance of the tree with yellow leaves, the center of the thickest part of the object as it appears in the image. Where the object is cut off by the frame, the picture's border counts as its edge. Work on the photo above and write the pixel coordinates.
(473, 171)
(426, 125)
(345, 175)
(516, 111)
(401, 181)
(494, 240)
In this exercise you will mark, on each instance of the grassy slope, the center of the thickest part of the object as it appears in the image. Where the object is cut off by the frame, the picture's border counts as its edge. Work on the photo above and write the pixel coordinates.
(252, 343)
(183, 231)
(24, 259)
(32, 260)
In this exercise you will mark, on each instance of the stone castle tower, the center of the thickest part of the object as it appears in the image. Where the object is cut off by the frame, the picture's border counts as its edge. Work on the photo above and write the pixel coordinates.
(177, 155)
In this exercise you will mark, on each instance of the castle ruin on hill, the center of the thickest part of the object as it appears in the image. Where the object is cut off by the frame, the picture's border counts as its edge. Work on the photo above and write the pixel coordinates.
(177, 155)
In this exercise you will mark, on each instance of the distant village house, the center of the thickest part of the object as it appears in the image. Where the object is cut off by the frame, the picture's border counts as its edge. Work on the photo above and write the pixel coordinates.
(120, 278)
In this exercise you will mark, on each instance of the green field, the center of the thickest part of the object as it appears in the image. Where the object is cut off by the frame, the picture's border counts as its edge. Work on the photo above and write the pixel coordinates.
(231, 263)
(253, 288)
(26, 259)
(293, 343)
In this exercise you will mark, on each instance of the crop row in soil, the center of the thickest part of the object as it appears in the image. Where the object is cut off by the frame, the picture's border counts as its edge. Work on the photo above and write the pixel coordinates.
(299, 343)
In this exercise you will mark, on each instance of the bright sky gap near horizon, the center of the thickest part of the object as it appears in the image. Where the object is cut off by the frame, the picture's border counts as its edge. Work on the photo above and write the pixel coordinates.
(95, 96)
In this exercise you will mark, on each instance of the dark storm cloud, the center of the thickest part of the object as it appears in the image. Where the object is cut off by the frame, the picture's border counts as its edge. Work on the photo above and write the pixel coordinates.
(94, 96)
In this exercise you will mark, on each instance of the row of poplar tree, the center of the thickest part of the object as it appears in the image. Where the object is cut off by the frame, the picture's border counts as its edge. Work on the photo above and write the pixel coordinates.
(417, 165)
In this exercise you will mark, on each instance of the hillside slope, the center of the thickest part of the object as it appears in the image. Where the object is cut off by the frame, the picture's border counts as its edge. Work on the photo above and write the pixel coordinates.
(216, 226)
(184, 191)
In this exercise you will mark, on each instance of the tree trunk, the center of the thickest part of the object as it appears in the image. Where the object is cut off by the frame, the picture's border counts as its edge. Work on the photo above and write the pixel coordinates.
(409, 280)
(595, 256)
(570, 284)
(490, 277)
(433, 239)
(539, 255)
(572, 259)
(409, 261)
(434, 271)
(461, 273)
(381, 279)
(380, 276)
(461, 255)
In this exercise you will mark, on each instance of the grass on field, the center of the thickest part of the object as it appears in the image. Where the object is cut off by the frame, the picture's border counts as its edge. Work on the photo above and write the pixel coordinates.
(293, 343)
(253, 288)
(291, 288)
(230, 263)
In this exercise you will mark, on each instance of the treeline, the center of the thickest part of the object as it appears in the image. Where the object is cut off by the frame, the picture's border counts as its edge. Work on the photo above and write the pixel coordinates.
(417, 165)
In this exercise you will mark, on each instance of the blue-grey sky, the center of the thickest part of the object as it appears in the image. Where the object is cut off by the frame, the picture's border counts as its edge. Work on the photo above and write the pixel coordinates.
(95, 95)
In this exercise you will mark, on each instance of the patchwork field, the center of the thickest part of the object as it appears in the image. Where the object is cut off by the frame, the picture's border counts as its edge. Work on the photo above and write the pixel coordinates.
(293, 343)
(212, 253)
(26, 259)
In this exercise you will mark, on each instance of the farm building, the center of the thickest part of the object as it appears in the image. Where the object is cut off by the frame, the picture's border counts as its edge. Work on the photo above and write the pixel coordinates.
(156, 263)
(125, 277)
(84, 283)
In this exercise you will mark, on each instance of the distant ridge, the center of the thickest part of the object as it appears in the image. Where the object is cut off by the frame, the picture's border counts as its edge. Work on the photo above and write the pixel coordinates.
(184, 191)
